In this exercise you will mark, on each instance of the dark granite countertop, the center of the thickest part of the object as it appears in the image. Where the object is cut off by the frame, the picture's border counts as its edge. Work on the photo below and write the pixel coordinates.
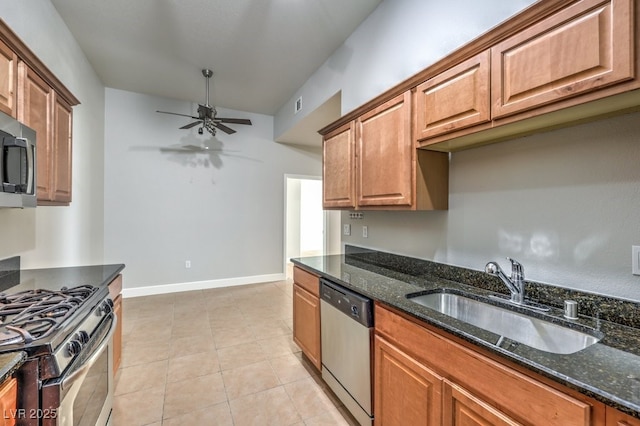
(608, 371)
(9, 363)
(56, 278)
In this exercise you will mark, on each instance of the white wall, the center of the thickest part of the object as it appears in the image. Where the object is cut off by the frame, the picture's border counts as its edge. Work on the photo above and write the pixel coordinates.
(399, 39)
(61, 236)
(222, 210)
(565, 203)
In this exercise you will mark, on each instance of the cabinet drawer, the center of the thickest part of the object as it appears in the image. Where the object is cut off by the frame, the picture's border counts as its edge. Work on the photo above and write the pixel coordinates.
(580, 49)
(519, 396)
(306, 280)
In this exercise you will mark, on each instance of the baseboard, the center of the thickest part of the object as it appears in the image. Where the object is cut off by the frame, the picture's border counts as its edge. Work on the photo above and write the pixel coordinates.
(199, 285)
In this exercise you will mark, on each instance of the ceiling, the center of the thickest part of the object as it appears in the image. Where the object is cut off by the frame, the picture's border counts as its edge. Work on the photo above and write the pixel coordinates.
(261, 51)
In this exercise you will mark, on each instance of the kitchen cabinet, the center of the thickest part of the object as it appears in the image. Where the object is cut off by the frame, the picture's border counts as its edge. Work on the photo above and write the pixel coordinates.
(115, 291)
(338, 168)
(50, 116)
(455, 99)
(554, 64)
(477, 388)
(8, 79)
(306, 314)
(389, 173)
(32, 94)
(617, 418)
(587, 46)
(8, 402)
(406, 392)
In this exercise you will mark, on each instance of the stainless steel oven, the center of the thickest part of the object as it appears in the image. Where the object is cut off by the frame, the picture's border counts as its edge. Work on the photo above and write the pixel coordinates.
(83, 394)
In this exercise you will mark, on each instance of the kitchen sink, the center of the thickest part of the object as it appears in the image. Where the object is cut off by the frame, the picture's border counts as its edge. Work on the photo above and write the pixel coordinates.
(528, 330)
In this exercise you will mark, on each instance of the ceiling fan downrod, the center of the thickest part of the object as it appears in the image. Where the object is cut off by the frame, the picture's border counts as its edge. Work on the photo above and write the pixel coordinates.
(208, 74)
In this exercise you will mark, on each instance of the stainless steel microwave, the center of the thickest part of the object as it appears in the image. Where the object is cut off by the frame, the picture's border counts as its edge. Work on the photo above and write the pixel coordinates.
(17, 163)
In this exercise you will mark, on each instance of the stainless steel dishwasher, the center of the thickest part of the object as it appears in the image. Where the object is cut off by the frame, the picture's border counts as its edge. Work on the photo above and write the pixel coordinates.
(346, 326)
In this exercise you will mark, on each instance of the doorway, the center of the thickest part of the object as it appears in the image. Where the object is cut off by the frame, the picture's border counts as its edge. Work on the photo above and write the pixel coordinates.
(308, 228)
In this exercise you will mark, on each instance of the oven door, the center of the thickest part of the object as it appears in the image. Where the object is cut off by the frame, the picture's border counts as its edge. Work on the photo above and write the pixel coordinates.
(83, 395)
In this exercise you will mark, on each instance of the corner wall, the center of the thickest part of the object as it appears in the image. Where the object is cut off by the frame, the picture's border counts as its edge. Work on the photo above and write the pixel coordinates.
(61, 236)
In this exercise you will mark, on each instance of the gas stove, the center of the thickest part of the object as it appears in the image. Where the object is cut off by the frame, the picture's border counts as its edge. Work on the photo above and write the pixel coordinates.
(65, 327)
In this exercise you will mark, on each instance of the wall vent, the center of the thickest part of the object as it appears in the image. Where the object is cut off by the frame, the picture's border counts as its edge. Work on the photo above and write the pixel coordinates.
(298, 105)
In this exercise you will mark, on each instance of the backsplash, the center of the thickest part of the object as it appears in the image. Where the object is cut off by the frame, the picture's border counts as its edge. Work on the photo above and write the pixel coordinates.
(601, 307)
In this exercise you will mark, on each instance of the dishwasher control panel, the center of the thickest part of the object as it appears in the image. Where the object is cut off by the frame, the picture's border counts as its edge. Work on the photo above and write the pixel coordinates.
(354, 305)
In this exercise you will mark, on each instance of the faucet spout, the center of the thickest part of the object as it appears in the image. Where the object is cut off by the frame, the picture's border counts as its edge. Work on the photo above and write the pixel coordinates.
(515, 283)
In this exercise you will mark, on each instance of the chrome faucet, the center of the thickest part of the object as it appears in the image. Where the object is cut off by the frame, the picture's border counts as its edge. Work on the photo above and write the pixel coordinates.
(515, 283)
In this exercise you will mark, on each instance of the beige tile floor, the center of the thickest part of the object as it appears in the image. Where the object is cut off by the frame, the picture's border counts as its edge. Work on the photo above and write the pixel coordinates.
(218, 357)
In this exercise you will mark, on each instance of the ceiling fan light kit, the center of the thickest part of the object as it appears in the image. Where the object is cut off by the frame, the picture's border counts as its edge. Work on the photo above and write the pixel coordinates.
(207, 115)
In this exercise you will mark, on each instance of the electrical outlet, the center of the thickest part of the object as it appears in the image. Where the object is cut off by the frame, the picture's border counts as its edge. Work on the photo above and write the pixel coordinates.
(365, 231)
(187, 264)
(346, 229)
(635, 260)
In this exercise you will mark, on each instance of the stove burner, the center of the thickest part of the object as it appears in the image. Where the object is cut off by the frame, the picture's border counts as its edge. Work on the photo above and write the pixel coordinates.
(35, 314)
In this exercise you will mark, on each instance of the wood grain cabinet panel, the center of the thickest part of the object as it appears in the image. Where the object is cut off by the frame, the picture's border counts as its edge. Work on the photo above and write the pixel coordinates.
(8, 80)
(306, 316)
(35, 109)
(406, 392)
(462, 408)
(60, 188)
(338, 168)
(580, 49)
(385, 154)
(478, 390)
(617, 418)
(455, 99)
(8, 402)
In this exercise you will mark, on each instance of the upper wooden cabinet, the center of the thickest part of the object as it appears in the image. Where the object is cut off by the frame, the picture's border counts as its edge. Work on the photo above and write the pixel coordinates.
(8, 79)
(556, 63)
(385, 154)
(377, 148)
(338, 168)
(455, 99)
(580, 49)
(33, 95)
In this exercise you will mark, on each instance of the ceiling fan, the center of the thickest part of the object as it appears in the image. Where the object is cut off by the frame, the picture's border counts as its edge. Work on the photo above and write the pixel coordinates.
(207, 117)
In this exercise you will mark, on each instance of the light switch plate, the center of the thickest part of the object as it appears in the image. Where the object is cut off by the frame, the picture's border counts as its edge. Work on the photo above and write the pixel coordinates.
(346, 229)
(365, 231)
(635, 260)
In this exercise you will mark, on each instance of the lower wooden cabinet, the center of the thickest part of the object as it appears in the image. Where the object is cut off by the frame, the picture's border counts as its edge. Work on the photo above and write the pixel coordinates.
(616, 418)
(474, 389)
(115, 291)
(306, 314)
(406, 392)
(8, 402)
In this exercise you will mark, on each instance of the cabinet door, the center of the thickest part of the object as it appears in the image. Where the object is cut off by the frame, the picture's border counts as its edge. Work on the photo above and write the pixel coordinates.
(8, 80)
(454, 99)
(338, 168)
(386, 155)
(8, 402)
(580, 49)
(117, 336)
(406, 392)
(306, 324)
(461, 408)
(61, 188)
(35, 110)
(616, 418)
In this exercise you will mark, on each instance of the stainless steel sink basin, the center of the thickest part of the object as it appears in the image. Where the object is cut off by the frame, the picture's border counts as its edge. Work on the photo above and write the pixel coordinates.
(531, 331)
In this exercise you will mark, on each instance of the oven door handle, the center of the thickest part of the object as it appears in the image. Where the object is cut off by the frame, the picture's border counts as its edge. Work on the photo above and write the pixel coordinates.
(68, 381)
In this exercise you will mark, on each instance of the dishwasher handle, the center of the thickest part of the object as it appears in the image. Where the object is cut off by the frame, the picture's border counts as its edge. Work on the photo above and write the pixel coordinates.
(356, 306)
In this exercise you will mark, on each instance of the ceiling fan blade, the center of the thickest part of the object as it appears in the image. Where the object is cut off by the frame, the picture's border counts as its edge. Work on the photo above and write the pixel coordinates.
(224, 128)
(234, 120)
(175, 113)
(190, 125)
